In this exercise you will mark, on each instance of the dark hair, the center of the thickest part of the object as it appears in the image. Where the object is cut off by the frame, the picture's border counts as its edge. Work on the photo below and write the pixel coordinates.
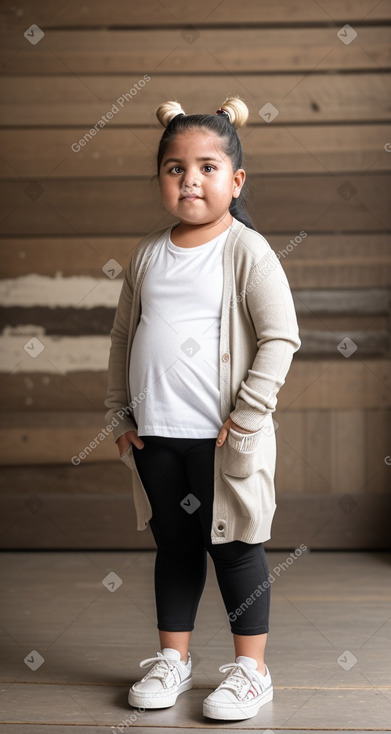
(221, 126)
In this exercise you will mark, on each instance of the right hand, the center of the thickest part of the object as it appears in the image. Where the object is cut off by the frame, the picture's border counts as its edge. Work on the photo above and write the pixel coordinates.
(124, 441)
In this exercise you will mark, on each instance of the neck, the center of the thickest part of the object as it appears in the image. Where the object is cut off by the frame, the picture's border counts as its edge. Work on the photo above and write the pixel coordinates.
(191, 235)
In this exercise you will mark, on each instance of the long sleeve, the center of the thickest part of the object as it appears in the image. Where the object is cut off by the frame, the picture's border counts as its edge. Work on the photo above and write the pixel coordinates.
(270, 303)
(119, 413)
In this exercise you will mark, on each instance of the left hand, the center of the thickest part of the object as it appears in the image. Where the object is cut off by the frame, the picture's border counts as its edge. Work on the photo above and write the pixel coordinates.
(223, 433)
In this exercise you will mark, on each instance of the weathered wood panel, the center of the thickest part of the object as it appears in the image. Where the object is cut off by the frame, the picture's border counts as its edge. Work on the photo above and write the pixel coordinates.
(64, 100)
(347, 439)
(366, 342)
(326, 452)
(55, 438)
(205, 51)
(122, 13)
(337, 383)
(369, 301)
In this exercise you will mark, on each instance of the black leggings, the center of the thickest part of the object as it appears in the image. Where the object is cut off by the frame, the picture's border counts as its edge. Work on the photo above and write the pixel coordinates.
(170, 470)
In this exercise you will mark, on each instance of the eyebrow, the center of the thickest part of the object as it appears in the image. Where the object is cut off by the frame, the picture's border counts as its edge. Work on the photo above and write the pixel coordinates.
(179, 160)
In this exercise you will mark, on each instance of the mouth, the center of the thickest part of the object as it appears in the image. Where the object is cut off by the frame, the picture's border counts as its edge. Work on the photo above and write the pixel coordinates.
(191, 198)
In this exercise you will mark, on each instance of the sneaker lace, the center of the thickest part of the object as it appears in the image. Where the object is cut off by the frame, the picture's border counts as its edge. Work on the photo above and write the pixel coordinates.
(162, 665)
(237, 678)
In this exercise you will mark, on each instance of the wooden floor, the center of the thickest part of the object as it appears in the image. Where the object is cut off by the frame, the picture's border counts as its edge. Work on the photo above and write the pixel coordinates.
(329, 646)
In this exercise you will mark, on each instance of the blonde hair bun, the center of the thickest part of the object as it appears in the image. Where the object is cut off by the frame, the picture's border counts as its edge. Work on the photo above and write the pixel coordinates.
(235, 107)
(237, 110)
(167, 111)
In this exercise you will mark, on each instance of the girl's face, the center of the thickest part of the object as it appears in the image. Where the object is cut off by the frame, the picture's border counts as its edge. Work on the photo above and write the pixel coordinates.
(196, 179)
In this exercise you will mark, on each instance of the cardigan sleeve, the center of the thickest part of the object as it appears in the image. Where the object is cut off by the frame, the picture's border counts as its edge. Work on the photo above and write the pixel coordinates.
(119, 413)
(271, 307)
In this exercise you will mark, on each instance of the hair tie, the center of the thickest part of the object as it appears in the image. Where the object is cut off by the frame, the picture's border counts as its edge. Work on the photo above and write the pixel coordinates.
(223, 112)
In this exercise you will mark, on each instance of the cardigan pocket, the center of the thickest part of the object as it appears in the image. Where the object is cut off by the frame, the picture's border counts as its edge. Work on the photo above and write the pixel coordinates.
(242, 453)
(127, 457)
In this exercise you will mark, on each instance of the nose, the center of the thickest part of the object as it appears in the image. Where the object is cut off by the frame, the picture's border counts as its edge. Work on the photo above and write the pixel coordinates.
(191, 182)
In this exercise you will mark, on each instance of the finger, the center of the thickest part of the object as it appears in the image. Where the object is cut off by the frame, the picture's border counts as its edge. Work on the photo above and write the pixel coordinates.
(221, 438)
(138, 443)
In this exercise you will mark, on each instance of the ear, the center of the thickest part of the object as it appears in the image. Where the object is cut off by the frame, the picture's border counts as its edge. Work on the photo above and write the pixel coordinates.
(238, 181)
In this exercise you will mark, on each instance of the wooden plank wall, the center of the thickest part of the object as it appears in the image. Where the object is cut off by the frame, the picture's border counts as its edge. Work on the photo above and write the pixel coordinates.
(319, 177)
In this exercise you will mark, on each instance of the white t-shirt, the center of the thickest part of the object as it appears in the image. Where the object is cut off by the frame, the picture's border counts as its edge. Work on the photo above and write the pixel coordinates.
(175, 351)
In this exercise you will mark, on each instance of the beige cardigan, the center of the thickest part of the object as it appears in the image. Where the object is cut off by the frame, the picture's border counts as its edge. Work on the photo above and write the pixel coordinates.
(258, 336)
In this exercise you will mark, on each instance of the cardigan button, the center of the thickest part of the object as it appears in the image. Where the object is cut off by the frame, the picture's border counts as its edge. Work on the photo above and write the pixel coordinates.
(221, 526)
(225, 357)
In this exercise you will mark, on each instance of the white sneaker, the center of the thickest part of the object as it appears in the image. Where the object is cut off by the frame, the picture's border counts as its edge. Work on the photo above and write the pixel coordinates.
(161, 686)
(241, 693)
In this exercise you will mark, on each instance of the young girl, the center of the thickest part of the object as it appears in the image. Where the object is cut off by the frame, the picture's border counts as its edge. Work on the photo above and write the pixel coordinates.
(202, 340)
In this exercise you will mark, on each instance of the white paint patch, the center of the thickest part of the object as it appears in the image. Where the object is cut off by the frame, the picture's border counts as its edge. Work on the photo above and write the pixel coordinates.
(28, 329)
(58, 356)
(79, 291)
